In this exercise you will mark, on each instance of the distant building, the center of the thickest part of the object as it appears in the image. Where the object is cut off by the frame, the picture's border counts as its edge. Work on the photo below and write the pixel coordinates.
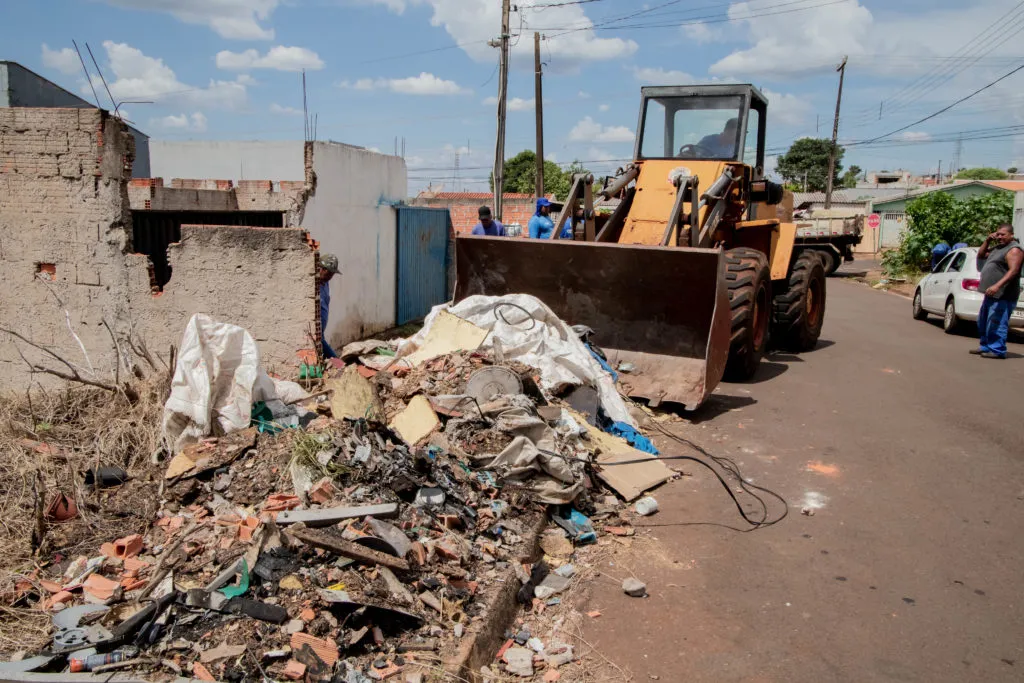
(898, 178)
(893, 211)
(517, 209)
(21, 87)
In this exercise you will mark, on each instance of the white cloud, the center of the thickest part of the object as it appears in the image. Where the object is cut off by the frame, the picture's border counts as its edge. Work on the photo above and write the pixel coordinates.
(701, 33)
(424, 84)
(236, 19)
(137, 76)
(514, 104)
(276, 108)
(279, 57)
(915, 136)
(603, 107)
(589, 130)
(64, 60)
(658, 76)
(583, 95)
(787, 109)
(550, 156)
(473, 22)
(195, 123)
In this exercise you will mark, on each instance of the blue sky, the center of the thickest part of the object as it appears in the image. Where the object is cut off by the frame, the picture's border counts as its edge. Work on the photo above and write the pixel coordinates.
(421, 70)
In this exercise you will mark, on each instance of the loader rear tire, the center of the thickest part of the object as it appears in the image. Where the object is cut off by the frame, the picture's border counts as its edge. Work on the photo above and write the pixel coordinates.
(749, 283)
(800, 310)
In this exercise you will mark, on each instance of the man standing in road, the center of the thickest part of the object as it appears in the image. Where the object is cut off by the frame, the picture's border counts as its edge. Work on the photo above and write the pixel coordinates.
(1000, 267)
(487, 225)
(328, 269)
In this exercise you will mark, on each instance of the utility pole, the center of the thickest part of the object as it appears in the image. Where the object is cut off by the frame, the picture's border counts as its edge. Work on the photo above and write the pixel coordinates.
(938, 177)
(835, 137)
(499, 146)
(539, 109)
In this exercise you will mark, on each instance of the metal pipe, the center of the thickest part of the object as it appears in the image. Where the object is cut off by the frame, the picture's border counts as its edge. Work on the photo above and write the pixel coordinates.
(625, 179)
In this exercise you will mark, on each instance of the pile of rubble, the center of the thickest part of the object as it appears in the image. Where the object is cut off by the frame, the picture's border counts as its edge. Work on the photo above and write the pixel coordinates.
(364, 529)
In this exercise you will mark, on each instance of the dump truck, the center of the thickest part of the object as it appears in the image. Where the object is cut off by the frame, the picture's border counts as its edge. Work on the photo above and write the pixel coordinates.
(693, 272)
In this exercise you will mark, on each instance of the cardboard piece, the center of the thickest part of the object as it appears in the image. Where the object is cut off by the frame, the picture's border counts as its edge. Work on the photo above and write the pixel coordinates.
(354, 397)
(448, 334)
(417, 421)
(629, 481)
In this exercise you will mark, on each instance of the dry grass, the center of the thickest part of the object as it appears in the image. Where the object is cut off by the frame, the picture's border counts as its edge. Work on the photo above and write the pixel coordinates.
(48, 439)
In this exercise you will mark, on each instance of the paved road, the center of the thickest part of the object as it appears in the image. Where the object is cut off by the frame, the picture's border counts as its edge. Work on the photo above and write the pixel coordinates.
(912, 569)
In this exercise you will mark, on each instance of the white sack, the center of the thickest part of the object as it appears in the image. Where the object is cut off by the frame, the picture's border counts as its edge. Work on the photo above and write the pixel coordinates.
(211, 392)
(546, 343)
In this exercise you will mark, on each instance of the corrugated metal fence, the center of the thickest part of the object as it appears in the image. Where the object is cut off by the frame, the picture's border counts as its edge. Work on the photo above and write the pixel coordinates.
(423, 261)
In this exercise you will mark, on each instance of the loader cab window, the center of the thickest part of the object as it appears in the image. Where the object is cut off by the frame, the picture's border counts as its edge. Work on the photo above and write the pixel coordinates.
(693, 128)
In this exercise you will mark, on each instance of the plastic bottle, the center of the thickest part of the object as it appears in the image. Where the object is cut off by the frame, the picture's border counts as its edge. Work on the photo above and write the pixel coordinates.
(93, 661)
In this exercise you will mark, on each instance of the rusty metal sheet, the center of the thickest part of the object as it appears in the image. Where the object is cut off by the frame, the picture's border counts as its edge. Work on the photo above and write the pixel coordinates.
(665, 309)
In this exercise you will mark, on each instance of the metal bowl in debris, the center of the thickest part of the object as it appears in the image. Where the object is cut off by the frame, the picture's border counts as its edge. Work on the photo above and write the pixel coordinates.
(486, 383)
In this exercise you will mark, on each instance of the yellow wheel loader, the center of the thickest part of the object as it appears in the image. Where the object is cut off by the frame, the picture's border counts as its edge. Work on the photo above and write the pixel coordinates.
(693, 269)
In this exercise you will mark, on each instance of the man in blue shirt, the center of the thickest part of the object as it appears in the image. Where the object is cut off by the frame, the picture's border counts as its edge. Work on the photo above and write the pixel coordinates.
(541, 226)
(720, 145)
(328, 269)
(487, 225)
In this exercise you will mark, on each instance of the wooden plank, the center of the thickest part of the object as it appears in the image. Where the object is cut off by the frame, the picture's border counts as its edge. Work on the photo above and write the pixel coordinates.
(329, 516)
(338, 545)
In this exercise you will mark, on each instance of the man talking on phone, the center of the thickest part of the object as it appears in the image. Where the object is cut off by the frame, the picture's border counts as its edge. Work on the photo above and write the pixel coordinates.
(1000, 265)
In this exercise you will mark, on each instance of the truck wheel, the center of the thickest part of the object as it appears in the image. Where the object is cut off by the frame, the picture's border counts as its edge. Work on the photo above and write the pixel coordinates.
(800, 310)
(749, 283)
(830, 261)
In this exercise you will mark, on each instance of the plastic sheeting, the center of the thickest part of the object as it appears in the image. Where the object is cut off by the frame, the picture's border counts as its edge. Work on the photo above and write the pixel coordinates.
(216, 380)
(520, 327)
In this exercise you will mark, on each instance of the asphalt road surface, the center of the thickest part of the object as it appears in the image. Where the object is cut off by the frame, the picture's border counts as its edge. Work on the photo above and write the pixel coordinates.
(910, 453)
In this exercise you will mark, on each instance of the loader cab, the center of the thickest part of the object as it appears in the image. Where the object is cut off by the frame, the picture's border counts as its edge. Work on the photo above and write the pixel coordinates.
(703, 123)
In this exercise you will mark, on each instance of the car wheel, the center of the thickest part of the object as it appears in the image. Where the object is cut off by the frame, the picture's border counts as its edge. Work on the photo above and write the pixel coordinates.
(919, 312)
(950, 323)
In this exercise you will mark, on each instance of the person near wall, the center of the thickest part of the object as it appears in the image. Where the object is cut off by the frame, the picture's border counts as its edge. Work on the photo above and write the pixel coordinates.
(541, 226)
(1000, 266)
(487, 225)
(576, 222)
(328, 269)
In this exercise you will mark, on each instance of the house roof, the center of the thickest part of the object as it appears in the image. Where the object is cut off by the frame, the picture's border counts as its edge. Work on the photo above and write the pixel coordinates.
(1005, 185)
(1011, 185)
(848, 196)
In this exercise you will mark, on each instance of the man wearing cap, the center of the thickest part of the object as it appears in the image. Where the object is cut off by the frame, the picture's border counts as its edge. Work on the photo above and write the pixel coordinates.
(541, 226)
(328, 268)
(487, 225)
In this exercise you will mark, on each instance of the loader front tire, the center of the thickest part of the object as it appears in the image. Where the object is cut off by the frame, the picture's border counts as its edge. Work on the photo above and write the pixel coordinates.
(749, 283)
(800, 310)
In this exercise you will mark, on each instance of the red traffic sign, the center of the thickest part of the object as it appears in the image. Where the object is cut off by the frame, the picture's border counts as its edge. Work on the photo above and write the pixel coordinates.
(874, 220)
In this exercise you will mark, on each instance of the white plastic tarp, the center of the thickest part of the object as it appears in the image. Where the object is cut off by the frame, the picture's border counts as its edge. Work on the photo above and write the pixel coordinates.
(521, 327)
(216, 380)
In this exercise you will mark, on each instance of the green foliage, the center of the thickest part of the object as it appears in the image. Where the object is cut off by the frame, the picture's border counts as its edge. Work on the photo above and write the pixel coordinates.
(939, 217)
(851, 176)
(1011, 170)
(983, 173)
(809, 157)
(521, 175)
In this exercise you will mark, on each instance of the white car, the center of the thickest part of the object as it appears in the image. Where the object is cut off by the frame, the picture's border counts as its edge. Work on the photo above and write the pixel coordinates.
(951, 290)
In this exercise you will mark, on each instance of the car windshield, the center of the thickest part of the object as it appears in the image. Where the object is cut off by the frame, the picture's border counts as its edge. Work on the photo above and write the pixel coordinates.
(692, 127)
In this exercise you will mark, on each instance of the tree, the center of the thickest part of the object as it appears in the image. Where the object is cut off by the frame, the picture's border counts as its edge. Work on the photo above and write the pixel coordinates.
(851, 176)
(1012, 170)
(938, 217)
(521, 175)
(983, 173)
(808, 158)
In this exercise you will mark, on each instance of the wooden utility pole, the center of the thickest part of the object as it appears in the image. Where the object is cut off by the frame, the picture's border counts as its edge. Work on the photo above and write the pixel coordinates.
(499, 146)
(835, 137)
(539, 110)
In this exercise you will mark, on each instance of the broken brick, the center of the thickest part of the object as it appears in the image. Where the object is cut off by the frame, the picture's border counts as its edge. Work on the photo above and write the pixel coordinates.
(100, 587)
(324, 649)
(294, 670)
(201, 672)
(322, 492)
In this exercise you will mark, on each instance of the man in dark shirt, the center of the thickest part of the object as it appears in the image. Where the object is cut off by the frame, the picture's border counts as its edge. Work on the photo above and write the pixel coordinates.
(1000, 267)
(487, 225)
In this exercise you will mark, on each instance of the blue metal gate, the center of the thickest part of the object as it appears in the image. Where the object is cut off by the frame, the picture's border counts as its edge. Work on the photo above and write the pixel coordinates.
(423, 261)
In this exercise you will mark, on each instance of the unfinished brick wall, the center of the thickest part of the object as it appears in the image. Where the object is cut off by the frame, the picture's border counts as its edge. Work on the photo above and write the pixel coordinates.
(185, 194)
(464, 207)
(66, 259)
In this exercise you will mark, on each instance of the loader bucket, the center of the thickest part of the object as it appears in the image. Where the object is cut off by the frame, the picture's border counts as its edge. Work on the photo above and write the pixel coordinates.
(663, 309)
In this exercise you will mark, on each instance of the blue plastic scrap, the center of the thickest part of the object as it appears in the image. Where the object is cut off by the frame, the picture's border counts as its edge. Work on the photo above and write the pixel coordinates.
(578, 525)
(602, 361)
(633, 437)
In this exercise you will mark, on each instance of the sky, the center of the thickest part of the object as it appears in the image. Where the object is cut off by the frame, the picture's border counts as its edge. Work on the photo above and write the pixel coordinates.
(420, 74)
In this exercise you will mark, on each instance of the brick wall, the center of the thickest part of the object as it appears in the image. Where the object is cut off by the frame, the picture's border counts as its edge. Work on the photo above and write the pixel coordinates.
(65, 250)
(464, 210)
(188, 194)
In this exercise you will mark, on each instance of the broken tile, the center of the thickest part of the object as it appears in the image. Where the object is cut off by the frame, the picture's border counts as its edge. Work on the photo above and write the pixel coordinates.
(416, 421)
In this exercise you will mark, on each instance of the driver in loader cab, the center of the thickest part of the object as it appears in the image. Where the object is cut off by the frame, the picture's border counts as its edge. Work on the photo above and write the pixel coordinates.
(720, 145)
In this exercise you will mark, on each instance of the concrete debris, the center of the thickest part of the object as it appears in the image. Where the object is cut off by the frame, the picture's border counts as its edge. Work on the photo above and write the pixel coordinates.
(385, 527)
(646, 506)
(634, 587)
